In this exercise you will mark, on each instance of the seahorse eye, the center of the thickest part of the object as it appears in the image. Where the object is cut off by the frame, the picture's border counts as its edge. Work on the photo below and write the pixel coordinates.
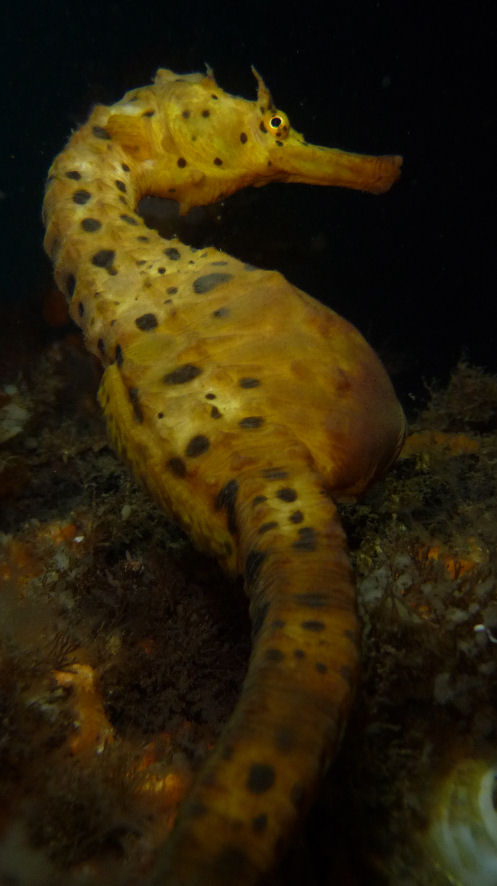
(275, 122)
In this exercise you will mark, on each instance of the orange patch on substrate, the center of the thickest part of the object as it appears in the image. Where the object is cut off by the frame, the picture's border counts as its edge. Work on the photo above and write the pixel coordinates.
(20, 561)
(455, 564)
(92, 730)
(450, 444)
(165, 789)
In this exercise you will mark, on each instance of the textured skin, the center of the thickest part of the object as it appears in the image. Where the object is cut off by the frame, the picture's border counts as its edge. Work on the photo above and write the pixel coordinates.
(243, 405)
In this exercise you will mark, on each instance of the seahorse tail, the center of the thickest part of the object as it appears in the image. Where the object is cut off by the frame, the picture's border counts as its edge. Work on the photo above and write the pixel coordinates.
(285, 730)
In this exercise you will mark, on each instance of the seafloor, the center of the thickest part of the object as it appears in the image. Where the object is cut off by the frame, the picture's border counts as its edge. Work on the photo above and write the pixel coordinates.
(122, 650)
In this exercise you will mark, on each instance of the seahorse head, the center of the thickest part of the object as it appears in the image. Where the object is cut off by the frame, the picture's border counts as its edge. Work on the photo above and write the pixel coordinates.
(205, 144)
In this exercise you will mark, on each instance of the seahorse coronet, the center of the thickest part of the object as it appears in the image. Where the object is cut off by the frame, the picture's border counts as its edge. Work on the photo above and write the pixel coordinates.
(245, 407)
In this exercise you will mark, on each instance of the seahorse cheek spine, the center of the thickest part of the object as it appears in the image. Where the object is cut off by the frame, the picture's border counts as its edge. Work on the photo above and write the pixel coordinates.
(242, 404)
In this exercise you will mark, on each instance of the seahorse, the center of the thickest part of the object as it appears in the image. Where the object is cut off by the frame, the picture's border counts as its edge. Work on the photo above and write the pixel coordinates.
(246, 408)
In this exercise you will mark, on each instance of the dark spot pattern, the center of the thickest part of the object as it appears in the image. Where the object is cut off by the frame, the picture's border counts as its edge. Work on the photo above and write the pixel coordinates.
(307, 540)
(286, 494)
(104, 258)
(135, 402)
(172, 290)
(209, 281)
(120, 186)
(128, 219)
(124, 167)
(243, 138)
(197, 446)
(248, 382)
(260, 778)
(74, 174)
(221, 312)
(177, 466)
(218, 161)
(182, 374)
(215, 413)
(81, 197)
(146, 322)
(274, 654)
(296, 517)
(119, 356)
(81, 308)
(321, 667)
(314, 599)
(226, 500)
(299, 653)
(251, 422)
(259, 499)
(262, 127)
(70, 285)
(313, 625)
(181, 160)
(172, 253)
(259, 823)
(101, 346)
(266, 527)
(90, 225)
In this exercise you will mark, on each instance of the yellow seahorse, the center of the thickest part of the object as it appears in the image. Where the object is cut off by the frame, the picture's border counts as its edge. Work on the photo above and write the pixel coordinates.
(244, 406)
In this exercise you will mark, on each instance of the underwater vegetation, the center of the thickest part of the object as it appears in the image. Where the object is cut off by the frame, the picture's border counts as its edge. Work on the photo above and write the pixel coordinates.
(123, 650)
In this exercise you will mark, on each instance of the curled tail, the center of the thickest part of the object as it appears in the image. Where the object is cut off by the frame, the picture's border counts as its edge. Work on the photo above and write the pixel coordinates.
(286, 727)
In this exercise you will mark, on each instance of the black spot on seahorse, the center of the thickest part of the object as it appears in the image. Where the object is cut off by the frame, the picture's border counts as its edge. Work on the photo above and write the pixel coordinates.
(251, 421)
(119, 356)
(120, 186)
(81, 197)
(177, 466)
(266, 527)
(182, 374)
(104, 258)
(134, 397)
(261, 778)
(286, 494)
(90, 225)
(243, 137)
(307, 539)
(226, 500)
(197, 446)
(70, 285)
(296, 517)
(210, 281)
(259, 823)
(74, 174)
(172, 253)
(248, 382)
(146, 322)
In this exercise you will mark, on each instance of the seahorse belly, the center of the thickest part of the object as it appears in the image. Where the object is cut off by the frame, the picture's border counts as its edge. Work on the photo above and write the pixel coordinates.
(243, 405)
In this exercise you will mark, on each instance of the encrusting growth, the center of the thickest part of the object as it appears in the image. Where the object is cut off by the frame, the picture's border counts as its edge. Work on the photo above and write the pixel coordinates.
(244, 406)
